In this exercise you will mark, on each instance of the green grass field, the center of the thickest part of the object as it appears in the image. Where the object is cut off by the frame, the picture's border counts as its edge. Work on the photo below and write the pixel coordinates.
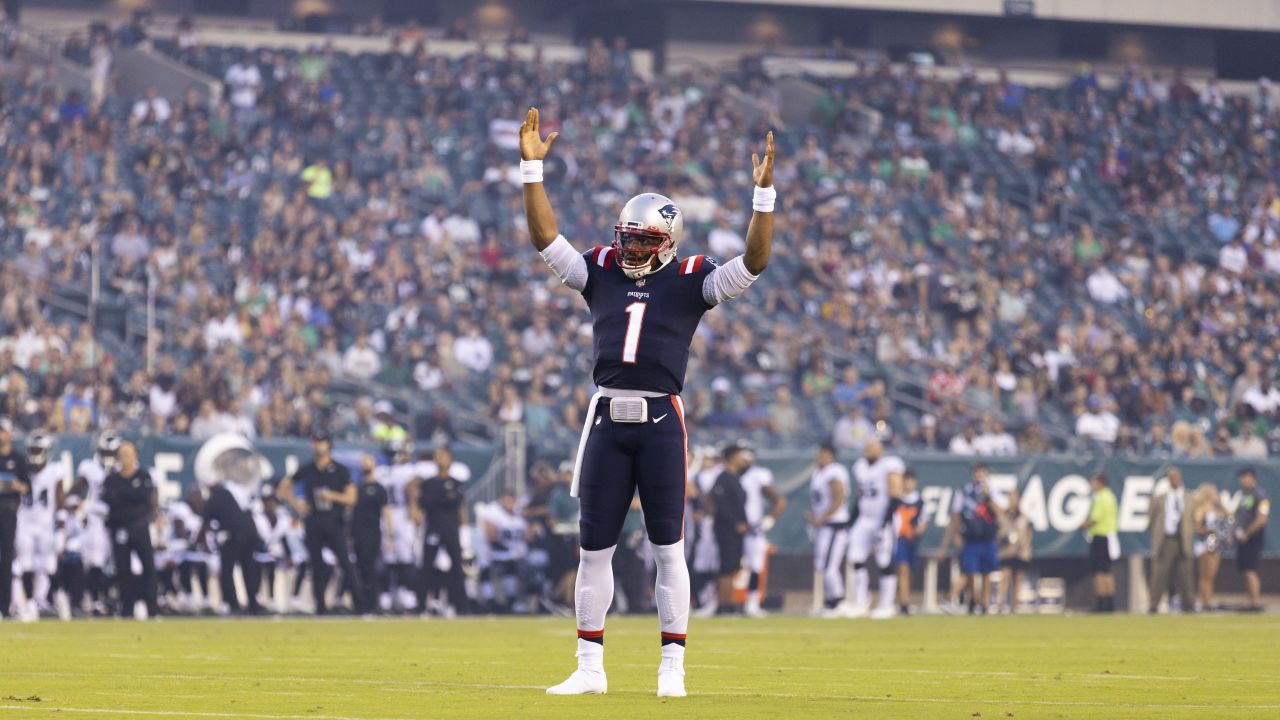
(926, 667)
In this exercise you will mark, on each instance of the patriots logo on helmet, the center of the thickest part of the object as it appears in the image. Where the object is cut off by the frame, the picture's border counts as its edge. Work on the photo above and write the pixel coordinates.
(669, 213)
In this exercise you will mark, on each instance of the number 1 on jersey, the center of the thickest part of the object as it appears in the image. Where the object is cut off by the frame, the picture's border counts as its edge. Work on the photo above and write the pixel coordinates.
(631, 342)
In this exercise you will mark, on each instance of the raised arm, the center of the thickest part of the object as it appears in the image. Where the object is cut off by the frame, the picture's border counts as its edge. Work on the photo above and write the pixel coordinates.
(760, 231)
(557, 253)
(734, 277)
(537, 208)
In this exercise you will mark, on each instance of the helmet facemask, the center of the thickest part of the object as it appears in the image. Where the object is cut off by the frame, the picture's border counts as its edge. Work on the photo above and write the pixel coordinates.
(638, 249)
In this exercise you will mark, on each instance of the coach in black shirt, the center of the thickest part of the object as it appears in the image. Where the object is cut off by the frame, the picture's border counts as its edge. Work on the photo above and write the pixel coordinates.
(371, 513)
(327, 493)
(15, 481)
(728, 508)
(440, 502)
(131, 501)
(229, 515)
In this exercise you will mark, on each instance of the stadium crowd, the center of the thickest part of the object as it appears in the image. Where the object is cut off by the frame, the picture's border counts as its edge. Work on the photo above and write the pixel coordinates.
(971, 266)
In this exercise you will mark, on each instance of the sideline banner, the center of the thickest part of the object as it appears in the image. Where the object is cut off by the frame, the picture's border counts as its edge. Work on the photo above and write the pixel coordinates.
(1055, 494)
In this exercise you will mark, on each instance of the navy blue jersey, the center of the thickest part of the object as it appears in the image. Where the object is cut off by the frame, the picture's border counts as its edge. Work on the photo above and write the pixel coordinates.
(642, 328)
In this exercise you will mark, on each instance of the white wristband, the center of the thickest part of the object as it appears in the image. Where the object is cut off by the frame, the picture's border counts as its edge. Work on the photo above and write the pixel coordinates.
(530, 171)
(763, 199)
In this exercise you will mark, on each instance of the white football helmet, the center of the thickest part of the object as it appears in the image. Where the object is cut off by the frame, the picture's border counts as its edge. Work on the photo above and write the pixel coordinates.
(650, 226)
(39, 449)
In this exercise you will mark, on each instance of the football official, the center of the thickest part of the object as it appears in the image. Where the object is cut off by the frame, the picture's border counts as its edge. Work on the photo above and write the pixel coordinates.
(14, 483)
(327, 492)
(131, 499)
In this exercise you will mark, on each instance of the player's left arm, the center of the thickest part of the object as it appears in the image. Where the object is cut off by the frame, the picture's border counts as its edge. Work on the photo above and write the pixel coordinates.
(777, 506)
(734, 277)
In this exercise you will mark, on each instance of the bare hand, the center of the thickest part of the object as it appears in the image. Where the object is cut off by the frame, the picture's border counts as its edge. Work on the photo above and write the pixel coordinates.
(533, 147)
(763, 172)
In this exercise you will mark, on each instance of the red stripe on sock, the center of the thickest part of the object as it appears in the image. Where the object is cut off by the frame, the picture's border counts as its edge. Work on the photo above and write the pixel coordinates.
(590, 634)
(673, 636)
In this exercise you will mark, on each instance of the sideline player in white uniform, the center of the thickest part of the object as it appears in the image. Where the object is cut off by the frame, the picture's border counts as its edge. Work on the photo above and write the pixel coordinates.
(36, 546)
(879, 485)
(97, 542)
(829, 515)
(757, 483)
(506, 535)
(400, 553)
(705, 562)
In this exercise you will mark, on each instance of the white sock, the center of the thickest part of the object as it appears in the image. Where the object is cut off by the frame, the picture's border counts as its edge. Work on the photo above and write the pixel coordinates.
(41, 588)
(671, 591)
(861, 588)
(673, 655)
(888, 588)
(593, 593)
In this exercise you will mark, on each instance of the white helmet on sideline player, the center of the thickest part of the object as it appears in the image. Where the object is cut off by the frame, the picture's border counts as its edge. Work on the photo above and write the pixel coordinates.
(649, 228)
(39, 449)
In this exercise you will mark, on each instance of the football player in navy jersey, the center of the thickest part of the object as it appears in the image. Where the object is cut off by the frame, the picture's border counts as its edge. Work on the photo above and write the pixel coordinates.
(645, 305)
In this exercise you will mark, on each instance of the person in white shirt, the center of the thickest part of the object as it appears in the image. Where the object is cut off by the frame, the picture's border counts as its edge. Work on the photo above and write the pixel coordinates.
(473, 350)
(36, 553)
(1105, 287)
(432, 227)
(506, 535)
(763, 507)
(152, 109)
(828, 515)
(853, 431)
(244, 83)
(223, 327)
(964, 443)
(878, 483)
(995, 440)
(1172, 540)
(462, 228)
(1097, 423)
(360, 360)
(725, 242)
(1233, 258)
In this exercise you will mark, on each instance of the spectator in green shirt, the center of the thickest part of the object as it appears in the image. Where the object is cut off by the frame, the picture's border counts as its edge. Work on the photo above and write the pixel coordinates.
(1101, 530)
(319, 179)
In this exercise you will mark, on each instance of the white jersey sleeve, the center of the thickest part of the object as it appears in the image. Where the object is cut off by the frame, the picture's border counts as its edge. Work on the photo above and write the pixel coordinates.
(754, 481)
(727, 281)
(568, 264)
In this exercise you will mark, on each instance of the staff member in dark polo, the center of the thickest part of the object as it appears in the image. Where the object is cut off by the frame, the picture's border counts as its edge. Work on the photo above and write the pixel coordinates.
(131, 499)
(1251, 526)
(229, 514)
(440, 502)
(15, 481)
(727, 504)
(327, 493)
(371, 514)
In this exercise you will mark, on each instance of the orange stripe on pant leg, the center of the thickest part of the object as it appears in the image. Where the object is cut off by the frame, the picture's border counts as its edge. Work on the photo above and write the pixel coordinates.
(679, 407)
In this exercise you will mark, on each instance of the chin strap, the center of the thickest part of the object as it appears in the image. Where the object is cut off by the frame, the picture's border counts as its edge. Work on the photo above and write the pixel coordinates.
(637, 273)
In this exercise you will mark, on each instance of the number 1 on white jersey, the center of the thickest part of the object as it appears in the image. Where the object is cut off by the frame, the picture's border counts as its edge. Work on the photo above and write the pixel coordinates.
(631, 343)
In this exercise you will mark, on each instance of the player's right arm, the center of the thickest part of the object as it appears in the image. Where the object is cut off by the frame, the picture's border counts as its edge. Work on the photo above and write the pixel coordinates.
(556, 251)
(537, 208)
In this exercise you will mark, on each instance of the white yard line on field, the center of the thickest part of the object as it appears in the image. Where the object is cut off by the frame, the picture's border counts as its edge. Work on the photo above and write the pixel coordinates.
(183, 713)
